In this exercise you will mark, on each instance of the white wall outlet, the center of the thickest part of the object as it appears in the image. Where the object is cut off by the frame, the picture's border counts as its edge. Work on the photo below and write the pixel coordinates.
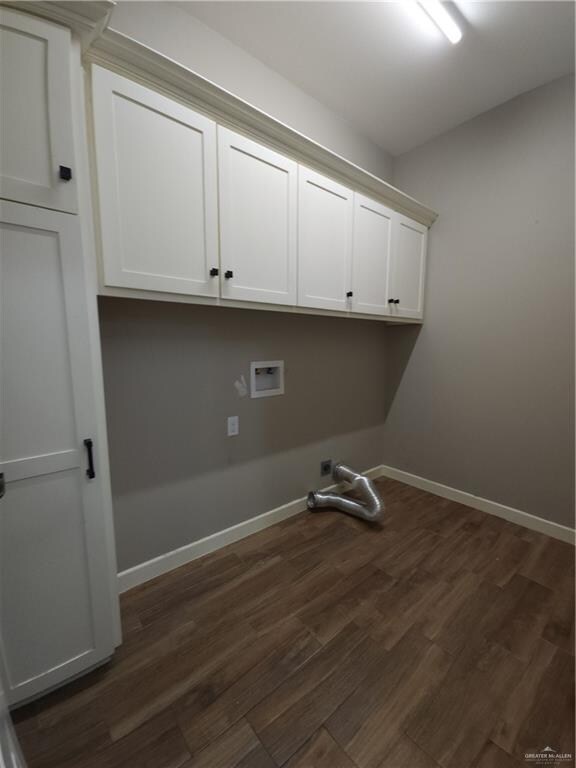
(233, 426)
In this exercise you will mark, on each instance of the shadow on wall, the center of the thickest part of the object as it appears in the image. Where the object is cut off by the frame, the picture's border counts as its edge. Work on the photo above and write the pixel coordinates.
(169, 373)
(400, 342)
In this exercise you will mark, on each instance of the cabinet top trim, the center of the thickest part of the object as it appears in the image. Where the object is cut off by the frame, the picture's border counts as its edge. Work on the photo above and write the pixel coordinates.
(85, 18)
(127, 56)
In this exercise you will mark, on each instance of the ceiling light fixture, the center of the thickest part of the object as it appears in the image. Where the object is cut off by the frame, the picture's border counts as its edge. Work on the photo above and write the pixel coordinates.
(437, 12)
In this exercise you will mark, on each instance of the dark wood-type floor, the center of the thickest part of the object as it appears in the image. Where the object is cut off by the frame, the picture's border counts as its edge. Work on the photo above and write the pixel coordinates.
(444, 638)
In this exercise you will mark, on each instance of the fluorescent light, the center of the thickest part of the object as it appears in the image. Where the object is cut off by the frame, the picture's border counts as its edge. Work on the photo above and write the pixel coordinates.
(440, 16)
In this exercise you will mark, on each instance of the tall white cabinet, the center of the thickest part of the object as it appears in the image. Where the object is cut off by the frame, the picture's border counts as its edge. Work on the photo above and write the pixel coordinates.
(55, 605)
(58, 604)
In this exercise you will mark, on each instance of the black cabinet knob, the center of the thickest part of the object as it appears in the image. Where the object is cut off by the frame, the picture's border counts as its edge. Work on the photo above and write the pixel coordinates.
(65, 173)
(214, 272)
(228, 274)
(390, 301)
(349, 294)
(396, 301)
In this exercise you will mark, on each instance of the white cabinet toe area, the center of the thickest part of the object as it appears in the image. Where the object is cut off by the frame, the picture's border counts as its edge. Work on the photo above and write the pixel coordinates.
(195, 211)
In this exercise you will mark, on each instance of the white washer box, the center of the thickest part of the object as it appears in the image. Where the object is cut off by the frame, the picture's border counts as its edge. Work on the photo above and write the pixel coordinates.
(267, 378)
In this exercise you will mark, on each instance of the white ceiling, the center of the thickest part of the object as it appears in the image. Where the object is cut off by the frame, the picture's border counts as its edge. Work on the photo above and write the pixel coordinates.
(392, 75)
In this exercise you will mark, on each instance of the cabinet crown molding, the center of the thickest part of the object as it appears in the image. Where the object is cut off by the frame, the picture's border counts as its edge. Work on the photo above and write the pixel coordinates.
(127, 56)
(86, 17)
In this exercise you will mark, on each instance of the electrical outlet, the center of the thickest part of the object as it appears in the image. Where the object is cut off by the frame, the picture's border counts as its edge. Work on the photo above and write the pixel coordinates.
(326, 467)
(233, 426)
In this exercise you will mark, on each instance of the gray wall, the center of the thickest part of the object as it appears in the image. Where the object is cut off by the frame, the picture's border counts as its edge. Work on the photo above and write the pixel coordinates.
(170, 369)
(482, 398)
(169, 373)
(175, 33)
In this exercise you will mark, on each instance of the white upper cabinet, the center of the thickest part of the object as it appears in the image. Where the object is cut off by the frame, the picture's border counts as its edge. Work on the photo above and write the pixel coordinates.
(258, 189)
(373, 233)
(407, 268)
(157, 182)
(192, 208)
(325, 213)
(36, 145)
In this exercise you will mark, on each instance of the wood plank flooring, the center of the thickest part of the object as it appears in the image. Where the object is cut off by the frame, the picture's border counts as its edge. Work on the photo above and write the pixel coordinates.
(442, 639)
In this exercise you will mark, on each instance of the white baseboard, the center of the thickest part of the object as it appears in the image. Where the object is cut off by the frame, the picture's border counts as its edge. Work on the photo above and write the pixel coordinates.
(557, 531)
(164, 563)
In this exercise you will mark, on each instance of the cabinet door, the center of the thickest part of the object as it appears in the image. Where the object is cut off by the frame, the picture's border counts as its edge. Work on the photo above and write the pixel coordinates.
(156, 168)
(407, 268)
(373, 227)
(325, 210)
(56, 606)
(35, 112)
(257, 221)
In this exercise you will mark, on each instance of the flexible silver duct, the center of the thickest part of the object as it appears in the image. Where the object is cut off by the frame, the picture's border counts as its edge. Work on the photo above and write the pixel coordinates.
(371, 506)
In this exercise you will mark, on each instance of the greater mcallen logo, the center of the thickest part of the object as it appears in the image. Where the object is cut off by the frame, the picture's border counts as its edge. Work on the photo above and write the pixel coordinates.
(547, 755)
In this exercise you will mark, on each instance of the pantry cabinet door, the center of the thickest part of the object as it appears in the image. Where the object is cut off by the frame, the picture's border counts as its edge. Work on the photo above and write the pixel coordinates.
(325, 212)
(156, 172)
(407, 268)
(36, 144)
(56, 604)
(258, 189)
(373, 229)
